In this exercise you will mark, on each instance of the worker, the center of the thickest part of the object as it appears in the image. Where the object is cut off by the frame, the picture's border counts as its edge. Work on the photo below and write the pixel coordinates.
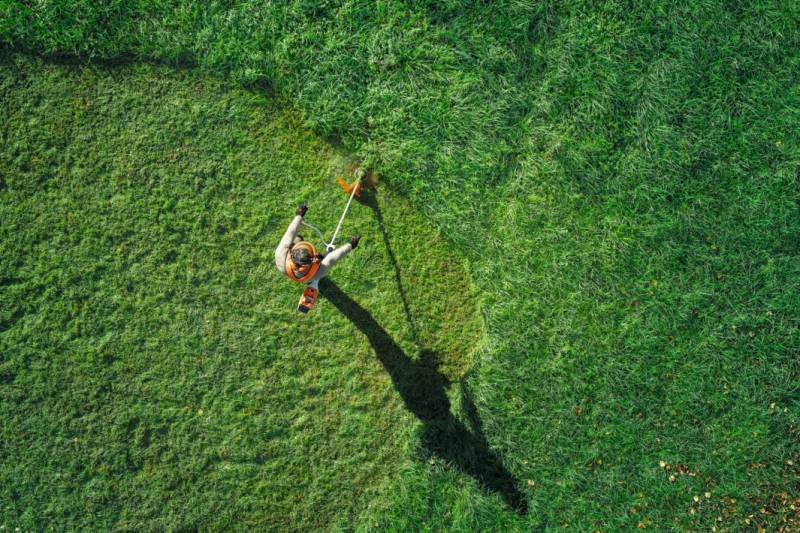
(299, 260)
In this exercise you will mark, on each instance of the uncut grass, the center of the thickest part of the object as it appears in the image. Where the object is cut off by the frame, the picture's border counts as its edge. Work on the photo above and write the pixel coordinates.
(639, 163)
(155, 372)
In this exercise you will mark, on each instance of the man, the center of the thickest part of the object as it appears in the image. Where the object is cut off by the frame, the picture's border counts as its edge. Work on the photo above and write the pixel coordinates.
(299, 260)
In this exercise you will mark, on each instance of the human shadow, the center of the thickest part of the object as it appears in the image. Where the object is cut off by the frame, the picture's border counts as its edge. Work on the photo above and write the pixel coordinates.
(424, 390)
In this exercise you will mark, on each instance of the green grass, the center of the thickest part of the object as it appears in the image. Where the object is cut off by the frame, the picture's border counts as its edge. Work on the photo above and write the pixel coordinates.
(638, 163)
(155, 372)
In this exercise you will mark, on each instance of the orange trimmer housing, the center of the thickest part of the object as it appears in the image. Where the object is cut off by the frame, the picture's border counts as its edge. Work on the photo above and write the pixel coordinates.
(308, 299)
(348, 187)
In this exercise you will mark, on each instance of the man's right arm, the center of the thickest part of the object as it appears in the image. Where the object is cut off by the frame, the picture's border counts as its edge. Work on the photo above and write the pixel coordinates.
(286, 241)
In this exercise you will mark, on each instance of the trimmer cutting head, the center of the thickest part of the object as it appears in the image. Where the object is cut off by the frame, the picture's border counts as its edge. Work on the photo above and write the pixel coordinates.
(363, 178)
(348, 187)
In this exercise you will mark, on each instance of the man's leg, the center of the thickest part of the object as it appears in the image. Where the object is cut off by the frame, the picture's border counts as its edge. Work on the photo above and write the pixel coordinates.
(286, 243)
(330, 260)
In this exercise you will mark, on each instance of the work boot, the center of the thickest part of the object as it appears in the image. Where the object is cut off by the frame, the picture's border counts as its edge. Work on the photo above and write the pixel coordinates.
(301, 209)
(354, 240)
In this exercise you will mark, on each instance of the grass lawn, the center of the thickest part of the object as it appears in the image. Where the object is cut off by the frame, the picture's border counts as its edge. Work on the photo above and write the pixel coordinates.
(155, 374)
(615, 190)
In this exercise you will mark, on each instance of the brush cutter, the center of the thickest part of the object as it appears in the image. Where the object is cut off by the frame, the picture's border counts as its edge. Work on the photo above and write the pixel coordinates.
(309, 297)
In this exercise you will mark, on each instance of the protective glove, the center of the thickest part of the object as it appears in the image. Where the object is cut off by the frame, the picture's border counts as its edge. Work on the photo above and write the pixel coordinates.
(354, 240)
(301, 209)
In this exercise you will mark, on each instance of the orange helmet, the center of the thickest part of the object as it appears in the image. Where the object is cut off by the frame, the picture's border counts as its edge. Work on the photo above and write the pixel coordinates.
(304, 271)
